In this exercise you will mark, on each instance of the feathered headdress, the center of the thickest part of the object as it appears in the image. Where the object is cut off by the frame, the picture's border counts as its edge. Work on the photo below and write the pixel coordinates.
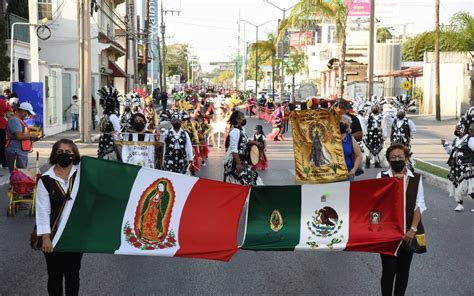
(404, 104)
(141, 92)
(462, 125)
(132, 99)
(360, 104)
(469, 116)
(378, 102)
(109, 99)
(168, 115)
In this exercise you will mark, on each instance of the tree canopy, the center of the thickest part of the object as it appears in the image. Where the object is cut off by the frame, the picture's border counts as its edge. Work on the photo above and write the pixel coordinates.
(177, 60)
(383, 33)
(458, 36)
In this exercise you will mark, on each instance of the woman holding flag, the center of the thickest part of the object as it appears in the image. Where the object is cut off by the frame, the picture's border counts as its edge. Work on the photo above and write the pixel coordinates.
(53, 193)
(397, 268)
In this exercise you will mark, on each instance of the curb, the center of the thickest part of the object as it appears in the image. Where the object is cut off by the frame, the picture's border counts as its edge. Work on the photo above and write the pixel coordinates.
(436, 181)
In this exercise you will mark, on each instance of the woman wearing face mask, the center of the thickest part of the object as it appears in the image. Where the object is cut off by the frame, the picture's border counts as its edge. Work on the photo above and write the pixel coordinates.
(53, 193)
(397, 268)
(352, 153)
(236, 167)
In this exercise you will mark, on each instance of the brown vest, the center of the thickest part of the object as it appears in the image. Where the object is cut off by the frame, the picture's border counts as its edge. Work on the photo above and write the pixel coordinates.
(57, 197)
(410, 200)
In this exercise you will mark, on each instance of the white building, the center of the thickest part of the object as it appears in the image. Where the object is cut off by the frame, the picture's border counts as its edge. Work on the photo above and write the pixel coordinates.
(59, 56)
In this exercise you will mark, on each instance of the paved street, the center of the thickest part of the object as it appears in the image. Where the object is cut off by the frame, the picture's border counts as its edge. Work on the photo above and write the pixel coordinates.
(446, 269)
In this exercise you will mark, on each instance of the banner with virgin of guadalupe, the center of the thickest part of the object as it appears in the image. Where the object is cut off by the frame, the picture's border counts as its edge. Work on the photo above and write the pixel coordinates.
(140, 149)
(319, 156)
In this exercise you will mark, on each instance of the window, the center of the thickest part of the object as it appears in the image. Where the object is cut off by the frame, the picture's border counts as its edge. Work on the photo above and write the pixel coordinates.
(67, 96)
(332, 38)
(45, 9)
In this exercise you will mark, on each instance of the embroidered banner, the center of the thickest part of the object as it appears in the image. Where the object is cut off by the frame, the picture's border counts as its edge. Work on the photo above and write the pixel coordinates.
(319, 157)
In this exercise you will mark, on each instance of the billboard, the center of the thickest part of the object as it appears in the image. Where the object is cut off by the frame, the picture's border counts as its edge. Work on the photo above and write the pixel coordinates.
(358, 7)
(298, 40)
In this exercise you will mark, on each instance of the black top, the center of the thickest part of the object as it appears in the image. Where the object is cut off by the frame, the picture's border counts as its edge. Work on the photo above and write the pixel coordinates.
(355, 126)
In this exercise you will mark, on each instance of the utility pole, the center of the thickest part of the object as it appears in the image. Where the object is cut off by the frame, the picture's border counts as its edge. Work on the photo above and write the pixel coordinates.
(371, 50)
(133, 56)
(163, 31)
(85, 70)
(256, 61)
(237, 60)
(436, 58)
(34, 54)
(282, 67)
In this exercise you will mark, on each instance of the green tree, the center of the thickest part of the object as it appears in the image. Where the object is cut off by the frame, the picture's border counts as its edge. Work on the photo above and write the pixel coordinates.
(177, 57)
(308, 13)
(383, 33)
(458, 36)
(294, 65)
(266, 55)
(224, 79)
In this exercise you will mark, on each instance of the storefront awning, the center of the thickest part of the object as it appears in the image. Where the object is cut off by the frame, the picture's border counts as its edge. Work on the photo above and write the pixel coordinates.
(408, 73)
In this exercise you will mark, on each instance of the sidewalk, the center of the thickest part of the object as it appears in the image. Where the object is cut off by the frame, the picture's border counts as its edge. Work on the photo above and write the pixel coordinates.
(426, 144)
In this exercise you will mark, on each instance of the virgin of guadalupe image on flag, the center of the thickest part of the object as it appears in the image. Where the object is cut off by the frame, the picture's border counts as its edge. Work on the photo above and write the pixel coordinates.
(319, 157)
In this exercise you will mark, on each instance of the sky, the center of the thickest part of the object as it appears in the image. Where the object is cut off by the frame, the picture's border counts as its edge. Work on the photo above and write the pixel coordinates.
(211, 26)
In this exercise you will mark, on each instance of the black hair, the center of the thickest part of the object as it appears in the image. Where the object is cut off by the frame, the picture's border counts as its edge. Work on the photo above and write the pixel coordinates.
(259, 128)
(234, 117)
(138, 115)
(54, 151)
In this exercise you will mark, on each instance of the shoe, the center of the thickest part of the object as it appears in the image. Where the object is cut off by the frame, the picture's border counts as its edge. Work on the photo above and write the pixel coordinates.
(377, 165)
(459, 208)
(367, 164)
(203, 163)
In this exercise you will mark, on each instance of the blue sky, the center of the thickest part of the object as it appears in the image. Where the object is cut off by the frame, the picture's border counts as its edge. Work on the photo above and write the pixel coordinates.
(210, 26)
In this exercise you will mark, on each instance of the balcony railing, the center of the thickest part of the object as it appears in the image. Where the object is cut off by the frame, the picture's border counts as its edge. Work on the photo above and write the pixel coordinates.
(22, 33)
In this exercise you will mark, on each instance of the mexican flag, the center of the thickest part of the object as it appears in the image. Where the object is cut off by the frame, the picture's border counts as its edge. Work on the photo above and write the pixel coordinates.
(364, 216)
(125, 209)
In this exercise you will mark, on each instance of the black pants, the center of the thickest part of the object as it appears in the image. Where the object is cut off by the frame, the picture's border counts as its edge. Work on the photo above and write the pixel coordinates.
(396, 268)
(65, 265)
(3, 142)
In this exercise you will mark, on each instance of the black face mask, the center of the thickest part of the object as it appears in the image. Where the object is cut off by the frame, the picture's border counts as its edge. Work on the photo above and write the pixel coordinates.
(244, 122)
(64, 159)
(375, 112)
(397, 165)
(139, 126)
(343, 127)
(177, 126)
(400, 116)
(457, 133)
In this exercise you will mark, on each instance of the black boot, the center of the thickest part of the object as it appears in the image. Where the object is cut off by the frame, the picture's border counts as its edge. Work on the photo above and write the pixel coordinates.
(367, 163)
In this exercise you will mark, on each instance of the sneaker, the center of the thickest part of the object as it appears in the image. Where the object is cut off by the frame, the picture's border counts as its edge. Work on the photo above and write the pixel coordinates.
(459, 208)
(203, 163)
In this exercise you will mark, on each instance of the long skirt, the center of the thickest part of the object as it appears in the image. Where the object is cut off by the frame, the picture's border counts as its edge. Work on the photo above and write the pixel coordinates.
(248, 176)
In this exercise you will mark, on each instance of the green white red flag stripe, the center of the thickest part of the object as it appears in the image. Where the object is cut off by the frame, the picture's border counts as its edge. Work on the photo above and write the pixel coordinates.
(366, 216)
(124, 209)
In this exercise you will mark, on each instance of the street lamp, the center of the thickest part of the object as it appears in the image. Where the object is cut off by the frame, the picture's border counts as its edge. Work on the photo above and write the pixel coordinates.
(284, 10)
(256, 49)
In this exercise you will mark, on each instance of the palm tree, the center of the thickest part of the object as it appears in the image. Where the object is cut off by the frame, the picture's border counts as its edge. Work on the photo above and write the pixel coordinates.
(294, 65)
(308, 13)
(266, 52)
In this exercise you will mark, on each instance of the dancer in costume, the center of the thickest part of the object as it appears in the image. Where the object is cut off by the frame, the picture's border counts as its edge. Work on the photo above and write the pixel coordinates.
(259, 137)
(109, 123)
(461, 162)
(203, 129)
(190, 128)
(236, 167)
(178, 147)
(373, 139)
(126, 117)
(277, 121)
(402, 128)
